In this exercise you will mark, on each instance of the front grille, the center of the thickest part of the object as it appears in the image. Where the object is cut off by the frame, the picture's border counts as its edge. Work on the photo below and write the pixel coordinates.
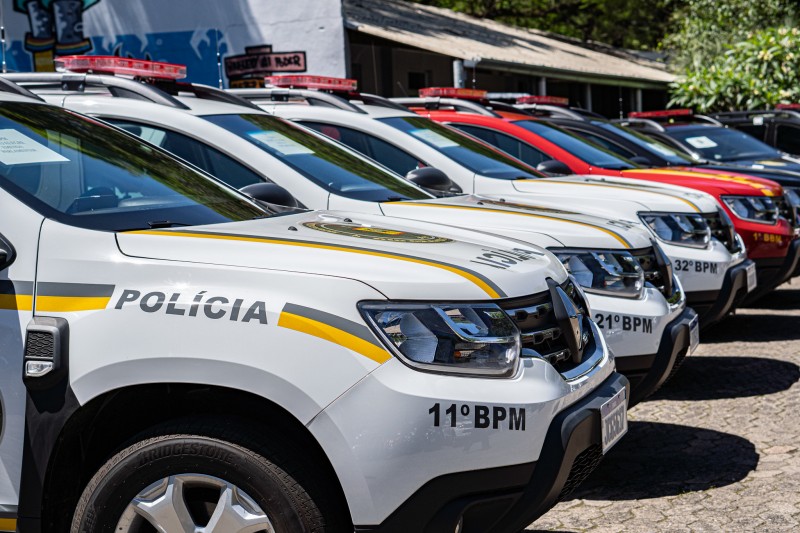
(786, 210)
(654, 274)
(723, 231)
(39, 344)
(536, 320)
(584, 464)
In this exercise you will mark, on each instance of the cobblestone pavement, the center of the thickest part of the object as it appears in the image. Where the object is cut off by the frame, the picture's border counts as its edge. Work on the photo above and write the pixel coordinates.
(717, 448)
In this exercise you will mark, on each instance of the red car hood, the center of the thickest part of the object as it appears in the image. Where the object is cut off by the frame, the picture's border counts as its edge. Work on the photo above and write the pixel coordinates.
(712, 181)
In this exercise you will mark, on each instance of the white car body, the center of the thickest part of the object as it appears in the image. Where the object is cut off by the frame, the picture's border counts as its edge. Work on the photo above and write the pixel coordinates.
(264, 307)
(640, 327)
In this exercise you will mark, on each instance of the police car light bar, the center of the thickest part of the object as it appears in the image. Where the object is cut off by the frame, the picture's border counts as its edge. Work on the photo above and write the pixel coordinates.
(324, 83)
(661, 114)
(549, 100)
(139, 68)
(453, 92)
(787, 106)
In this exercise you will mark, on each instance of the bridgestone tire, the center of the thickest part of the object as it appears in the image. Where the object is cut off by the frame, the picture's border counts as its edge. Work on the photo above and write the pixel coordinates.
(280, 495)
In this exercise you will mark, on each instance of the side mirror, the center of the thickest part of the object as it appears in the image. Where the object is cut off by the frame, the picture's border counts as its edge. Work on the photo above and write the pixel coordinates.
(641, 160)
(434, 181)
(7, 254)
(270, 193)
(554, 168)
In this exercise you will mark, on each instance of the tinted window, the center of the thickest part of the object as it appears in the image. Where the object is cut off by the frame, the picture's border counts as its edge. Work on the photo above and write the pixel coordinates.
(469, 153)
(200, 154)
(759, 132)
(89, 174)
(605, 143)
(723, 144)
(384, 153)
(587, 152)
(788, 139)
(649, 144)
(508, 144)
(331, 167)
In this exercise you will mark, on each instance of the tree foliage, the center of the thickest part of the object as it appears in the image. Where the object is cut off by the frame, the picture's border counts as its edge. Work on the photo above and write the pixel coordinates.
(761, 71)
(700, 31)
(634, 24)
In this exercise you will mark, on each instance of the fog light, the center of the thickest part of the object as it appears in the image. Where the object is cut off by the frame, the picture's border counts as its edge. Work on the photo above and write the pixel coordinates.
(37, 369)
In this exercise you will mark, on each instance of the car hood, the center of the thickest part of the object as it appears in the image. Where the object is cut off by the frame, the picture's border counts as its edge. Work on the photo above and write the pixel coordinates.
(403, 259)
(616, 197)
(710, 180)
(529, 221)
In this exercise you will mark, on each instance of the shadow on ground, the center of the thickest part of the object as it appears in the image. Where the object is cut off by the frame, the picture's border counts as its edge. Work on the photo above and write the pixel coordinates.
(754, 328)
(655, 460)
(778, 300)
(714, 378)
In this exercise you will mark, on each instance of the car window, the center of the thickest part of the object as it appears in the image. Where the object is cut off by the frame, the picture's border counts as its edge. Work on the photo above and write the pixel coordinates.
(580, 148)
(757, 131)
(510, 145)
(605, 143)
(473, 155)
(89, 174)
(723, 144)
(788, 139)
(652, 145)
(381, 151)
(197, 153)
(336, 169)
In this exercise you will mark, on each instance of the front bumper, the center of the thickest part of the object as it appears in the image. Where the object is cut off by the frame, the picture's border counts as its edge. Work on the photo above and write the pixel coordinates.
(507, 499)
(775, 271)
(713, 305)
(647, 373)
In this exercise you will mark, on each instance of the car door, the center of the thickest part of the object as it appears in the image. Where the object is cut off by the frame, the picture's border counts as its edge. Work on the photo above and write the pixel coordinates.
(19, 237)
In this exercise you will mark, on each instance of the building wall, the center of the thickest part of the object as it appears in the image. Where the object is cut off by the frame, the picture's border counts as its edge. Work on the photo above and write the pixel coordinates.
(282, 36)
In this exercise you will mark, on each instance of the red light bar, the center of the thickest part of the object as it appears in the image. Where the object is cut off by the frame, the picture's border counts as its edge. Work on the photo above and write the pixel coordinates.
(139, 68)
(324, 83)
(453, 92)
(658, 114)
(787, 106)
(550, 100)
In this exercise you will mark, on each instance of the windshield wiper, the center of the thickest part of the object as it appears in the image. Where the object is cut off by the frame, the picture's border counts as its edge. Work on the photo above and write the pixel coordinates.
(165, 224)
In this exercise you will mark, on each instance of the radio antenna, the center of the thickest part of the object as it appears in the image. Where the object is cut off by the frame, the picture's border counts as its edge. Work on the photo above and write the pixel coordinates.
(3, 36)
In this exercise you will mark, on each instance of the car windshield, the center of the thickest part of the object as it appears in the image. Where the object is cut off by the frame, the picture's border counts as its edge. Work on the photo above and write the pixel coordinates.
(471, 154)
(332, 167)
(651, 145)
(580, 148)
(723, 144)
(89, 174)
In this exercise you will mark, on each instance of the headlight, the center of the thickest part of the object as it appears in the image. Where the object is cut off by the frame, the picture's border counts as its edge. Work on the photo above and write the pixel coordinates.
(792, 196)
(611, 272)
(478, 339)
(753, 208)
(683, 229)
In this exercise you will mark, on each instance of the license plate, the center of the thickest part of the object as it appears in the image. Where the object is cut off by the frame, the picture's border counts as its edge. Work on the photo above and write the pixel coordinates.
(614, 419)
(694, 334)
(752, 280)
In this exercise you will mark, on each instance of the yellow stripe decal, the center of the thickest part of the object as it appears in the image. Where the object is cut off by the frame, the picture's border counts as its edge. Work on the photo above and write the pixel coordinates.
(627, 188)
(334, 335)
(8, 524)
(16, 302)
(486, 287)
(714, 176)
(613, 234)
(67, 304)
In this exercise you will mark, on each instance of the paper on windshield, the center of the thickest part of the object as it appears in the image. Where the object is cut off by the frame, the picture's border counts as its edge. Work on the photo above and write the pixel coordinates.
(433, 138)
(701, 142)
(281, 143)
(17, 148)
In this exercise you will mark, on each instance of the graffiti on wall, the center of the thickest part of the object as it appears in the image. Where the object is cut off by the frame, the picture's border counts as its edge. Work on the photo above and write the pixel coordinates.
(249, 69)
(55, 28)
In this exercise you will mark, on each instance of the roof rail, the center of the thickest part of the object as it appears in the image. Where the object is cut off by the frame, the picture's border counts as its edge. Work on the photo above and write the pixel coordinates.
(202, 92)
(641, 123)
(437, 103)
(312, 97)
(706, 118)
(117, 86)
(7, 86)
(756, 112)
(380, 101)
(552, 111)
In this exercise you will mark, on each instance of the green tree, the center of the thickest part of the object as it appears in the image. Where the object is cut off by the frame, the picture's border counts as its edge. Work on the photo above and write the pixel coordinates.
(634, 24)
(702, 30)
(761, 71)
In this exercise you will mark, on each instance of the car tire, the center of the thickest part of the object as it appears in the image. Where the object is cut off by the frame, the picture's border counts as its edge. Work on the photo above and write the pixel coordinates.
(151, 471)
